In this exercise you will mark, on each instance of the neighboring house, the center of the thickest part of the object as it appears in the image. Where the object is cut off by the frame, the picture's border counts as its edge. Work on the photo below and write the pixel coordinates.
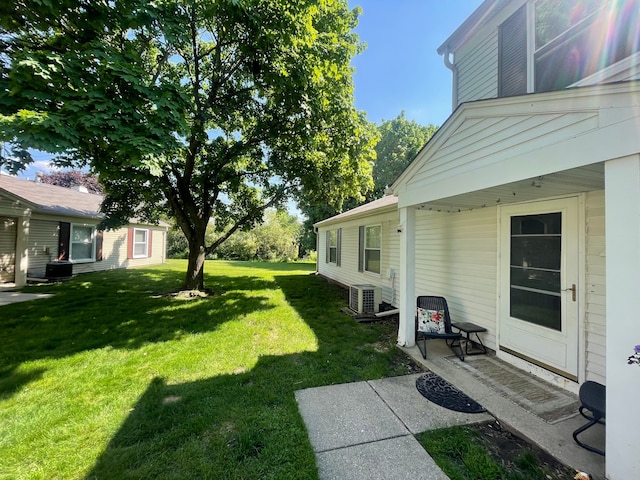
(362, 247)
(523, 210)
(43, 227)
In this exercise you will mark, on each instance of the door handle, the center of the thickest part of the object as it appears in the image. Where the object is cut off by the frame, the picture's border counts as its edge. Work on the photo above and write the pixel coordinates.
(573, 291)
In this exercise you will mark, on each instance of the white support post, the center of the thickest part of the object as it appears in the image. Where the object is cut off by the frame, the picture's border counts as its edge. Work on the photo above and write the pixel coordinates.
(622, 212)
(22, 250)
(407, 227)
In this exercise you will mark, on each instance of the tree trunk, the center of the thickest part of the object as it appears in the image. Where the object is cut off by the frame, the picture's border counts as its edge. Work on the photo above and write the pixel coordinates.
(194, 279)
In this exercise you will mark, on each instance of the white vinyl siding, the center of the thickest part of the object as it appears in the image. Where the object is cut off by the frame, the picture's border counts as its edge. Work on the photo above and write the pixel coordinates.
(44, 234)
(456, 255)
(490, 140)
(42, 246)
(595, 324)
(347, 274)
(477, 70)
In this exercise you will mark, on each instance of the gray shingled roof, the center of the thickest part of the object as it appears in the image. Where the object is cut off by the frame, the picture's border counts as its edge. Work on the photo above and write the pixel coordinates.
(44, 198)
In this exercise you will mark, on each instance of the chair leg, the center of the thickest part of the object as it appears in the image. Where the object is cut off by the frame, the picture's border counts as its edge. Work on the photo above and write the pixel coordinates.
(423, 350)
(456, 343)
(592, 421)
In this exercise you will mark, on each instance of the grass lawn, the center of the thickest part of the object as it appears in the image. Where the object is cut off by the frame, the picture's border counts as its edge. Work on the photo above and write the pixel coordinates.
(110, 379)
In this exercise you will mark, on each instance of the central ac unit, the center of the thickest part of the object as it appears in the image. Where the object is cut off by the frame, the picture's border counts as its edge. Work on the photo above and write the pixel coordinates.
(365, 298)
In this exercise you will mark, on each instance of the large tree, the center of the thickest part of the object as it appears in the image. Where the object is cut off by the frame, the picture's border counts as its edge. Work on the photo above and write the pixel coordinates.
(400, 141)
(200, 109)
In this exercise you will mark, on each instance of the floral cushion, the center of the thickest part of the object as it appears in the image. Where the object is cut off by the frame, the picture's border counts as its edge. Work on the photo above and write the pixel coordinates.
(430, 321)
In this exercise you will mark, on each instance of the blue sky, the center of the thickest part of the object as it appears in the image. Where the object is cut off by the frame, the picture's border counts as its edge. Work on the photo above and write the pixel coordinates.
(400, 69)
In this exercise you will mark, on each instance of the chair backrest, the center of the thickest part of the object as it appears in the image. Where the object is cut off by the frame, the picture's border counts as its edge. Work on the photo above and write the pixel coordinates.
(436, 303)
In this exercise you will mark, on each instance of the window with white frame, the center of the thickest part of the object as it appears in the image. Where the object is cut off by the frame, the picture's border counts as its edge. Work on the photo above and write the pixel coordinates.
(82, 244)
(372, 248)
(140, 243)
(333, 241)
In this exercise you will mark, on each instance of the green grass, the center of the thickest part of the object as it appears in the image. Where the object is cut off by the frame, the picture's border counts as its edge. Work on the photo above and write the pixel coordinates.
(108, 379)
(462, 454)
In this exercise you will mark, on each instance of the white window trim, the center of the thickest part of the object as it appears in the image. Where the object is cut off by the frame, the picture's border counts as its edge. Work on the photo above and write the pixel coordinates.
(364, 250)
(93, 243)
(145, 243)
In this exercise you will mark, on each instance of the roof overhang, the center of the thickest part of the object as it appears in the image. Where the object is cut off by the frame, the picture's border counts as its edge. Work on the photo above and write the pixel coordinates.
(386, 204)
(517, 149)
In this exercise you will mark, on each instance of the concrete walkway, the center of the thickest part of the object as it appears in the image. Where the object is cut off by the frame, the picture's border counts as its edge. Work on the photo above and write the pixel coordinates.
(365, 429)
(14, 297)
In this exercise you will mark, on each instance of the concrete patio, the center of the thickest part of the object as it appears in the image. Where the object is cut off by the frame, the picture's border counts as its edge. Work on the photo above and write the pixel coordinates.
(365, 429)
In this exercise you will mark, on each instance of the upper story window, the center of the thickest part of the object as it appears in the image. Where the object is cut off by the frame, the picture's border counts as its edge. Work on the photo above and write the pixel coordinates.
(551, 44)
(82, 243)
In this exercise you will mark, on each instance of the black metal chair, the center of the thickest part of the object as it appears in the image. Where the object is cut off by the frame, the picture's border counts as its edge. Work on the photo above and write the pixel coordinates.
(593, 397)
(437, 304)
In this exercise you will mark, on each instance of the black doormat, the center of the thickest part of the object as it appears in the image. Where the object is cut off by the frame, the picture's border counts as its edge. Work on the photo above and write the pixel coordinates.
(437, 390)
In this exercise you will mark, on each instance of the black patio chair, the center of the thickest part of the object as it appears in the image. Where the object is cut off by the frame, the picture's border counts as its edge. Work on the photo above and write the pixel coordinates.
(593, 397)
(430, 305)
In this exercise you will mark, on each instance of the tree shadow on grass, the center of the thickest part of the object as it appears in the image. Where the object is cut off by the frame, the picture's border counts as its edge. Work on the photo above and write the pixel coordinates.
(247, 425)
(118, 309)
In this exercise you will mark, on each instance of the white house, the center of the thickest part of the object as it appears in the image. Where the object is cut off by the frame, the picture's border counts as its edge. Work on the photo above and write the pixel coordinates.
(47, 230)
(362, 247)
(523, 210)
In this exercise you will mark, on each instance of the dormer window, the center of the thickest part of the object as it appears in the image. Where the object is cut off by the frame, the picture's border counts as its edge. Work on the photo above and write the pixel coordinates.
(549, 45)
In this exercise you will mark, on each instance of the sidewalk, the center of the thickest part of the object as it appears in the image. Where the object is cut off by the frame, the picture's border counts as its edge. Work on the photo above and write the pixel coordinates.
(365, 429)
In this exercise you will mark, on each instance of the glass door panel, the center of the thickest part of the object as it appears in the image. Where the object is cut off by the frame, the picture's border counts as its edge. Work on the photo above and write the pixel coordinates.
(535, 262)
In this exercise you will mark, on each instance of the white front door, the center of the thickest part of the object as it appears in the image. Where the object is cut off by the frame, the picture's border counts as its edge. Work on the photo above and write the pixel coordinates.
(539, 248)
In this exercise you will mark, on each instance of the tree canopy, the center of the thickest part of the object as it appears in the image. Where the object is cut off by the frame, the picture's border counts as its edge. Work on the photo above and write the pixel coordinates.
(400, 141)
(196, 109)
(73, 178)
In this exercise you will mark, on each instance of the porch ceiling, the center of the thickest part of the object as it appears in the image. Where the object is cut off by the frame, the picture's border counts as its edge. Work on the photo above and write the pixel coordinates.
(576, 180)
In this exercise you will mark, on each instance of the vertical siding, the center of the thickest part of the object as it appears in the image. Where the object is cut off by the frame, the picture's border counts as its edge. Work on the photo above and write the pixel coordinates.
(347, 273)
(595, 319)
(456, 257)
(477, 69)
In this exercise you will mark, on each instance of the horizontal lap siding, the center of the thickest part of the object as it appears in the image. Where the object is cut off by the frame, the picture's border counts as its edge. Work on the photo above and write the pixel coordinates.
(42, 246)
(347, 273)
(44, 234)
(477, 70)
(114, 252)
(456, 258)
(595, 318)
(484, 141)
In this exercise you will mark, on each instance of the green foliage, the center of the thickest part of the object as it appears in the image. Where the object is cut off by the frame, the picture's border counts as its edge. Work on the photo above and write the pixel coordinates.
(276, 239)
(400, 142)
(190, 108)
(462, 454)
(110, 379)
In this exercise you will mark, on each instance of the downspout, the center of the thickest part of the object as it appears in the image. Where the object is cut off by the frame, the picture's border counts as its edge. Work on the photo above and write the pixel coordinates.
(315, 230)
(454, 84)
